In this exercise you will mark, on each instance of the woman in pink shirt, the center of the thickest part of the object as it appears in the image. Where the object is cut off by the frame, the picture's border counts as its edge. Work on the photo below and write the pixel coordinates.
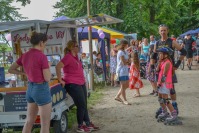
(37, 70)
(74, 83)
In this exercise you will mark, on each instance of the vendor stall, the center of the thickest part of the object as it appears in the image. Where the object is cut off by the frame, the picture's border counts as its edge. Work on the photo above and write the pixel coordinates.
(12, 96)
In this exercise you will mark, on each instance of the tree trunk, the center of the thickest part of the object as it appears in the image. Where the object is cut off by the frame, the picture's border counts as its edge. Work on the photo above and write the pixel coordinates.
(152, 12)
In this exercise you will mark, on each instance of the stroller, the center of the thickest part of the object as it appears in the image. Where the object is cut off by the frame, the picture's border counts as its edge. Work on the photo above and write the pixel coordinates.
(143, 67)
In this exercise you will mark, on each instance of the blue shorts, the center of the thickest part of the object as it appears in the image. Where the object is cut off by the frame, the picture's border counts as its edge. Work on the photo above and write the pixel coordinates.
(123, 78)
(38, 93)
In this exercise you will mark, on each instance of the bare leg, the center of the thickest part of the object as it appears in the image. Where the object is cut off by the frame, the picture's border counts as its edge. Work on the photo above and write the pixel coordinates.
(173, 97)
(32, 112)
(189, 61)
(162, 104)
(112, 79)
(169, 105)
(45, 113)
(154, 85)
(122, 90)
(138, 92)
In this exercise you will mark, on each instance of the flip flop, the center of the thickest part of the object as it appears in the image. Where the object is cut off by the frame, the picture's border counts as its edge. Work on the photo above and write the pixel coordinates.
(126, 103)
(118, 99)
(136, 95)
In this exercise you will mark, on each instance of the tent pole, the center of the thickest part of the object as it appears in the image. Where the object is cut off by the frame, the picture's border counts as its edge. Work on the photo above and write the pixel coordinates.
(90, 49)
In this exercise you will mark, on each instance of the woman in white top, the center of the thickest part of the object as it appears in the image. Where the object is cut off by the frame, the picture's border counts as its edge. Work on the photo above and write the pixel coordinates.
(122, 71)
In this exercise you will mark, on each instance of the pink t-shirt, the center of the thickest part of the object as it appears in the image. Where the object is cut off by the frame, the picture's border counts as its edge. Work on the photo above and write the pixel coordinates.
(73, 70)
(34, 61)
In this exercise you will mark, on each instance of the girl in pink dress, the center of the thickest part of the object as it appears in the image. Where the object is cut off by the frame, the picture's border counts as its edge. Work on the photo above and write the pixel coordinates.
(135, 81)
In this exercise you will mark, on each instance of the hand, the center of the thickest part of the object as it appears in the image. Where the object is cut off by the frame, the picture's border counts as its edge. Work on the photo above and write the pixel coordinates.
(62, 83)
(175, 68)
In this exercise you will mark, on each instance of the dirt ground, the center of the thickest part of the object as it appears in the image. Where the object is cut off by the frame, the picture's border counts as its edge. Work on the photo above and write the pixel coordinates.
(114, 117)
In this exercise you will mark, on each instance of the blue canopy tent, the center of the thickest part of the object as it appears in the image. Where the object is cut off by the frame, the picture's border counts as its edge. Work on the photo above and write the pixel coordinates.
(188, 32)
(61, 18)
(196, 31)
(83, 34)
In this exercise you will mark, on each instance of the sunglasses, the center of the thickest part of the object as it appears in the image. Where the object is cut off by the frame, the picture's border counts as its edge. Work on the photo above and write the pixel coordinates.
(163, 25)
(76, 46)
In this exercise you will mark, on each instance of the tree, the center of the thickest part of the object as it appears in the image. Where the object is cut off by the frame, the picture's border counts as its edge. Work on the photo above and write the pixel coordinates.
(140, 16)
(10, 13)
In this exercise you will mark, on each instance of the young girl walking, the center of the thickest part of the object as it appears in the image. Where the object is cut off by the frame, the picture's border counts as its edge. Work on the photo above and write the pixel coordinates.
(165, 71)
(135, 81)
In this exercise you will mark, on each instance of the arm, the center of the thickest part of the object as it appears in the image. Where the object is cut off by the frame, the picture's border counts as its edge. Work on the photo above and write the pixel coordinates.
(129, 48)
(166, 69)
(58, 67)
(124, 62)
(142, 52)
(13, 69)
(47, 74)
(165, 72)
(182, 55)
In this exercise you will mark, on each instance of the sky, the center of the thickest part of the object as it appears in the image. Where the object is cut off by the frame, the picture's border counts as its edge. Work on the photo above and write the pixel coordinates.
(38, 9)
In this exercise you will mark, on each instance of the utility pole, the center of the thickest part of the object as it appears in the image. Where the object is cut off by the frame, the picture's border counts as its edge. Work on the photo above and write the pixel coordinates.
(91, 83)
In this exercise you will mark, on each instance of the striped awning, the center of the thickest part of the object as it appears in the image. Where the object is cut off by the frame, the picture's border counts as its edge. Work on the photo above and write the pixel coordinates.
(112, 33)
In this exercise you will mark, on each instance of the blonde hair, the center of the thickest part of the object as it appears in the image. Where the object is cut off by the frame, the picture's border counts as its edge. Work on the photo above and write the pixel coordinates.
(69, 46)
(136, 59)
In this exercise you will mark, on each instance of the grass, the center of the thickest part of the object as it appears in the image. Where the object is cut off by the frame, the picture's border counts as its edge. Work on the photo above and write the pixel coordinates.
(92, 100)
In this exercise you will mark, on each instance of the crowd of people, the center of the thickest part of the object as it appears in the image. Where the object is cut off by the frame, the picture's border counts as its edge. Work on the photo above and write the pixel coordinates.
(125, 66)
(160, 69)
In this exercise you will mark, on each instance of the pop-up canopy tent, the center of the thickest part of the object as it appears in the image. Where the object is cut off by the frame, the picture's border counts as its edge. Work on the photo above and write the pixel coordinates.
(126, 36)
(192, 32)
(113, 34)
(83, 33)
(196, 31)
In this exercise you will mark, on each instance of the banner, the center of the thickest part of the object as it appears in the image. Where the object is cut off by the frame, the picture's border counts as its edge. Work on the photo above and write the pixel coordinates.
(55, 36)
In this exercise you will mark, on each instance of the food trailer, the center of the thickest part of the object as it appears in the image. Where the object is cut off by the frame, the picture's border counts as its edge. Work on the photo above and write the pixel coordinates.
(13, 104)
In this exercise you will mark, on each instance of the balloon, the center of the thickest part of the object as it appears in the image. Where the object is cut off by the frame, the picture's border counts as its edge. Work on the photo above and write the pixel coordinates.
(8, 37)
(117, 41)
(99, 31)
(102, 35)
(113, 41)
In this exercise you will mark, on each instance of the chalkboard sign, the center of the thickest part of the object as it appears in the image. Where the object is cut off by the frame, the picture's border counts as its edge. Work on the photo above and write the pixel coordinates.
(15, 101)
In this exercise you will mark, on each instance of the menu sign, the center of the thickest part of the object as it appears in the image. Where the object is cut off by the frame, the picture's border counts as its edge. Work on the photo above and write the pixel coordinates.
(15, 101)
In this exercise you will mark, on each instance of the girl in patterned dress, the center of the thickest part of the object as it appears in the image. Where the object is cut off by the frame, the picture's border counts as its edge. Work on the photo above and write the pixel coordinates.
(113, 65)
(135, 81)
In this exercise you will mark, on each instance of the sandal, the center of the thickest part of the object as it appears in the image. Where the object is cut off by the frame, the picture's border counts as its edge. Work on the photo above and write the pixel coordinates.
(118, 99)
(126, 103)
(136, 95)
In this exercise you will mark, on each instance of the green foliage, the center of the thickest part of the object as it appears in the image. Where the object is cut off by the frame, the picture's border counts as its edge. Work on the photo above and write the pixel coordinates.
(141, 16)
(8, 12)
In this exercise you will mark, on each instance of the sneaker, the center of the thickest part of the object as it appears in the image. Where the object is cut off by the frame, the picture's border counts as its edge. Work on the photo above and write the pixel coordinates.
(92, 127)
(83, 129)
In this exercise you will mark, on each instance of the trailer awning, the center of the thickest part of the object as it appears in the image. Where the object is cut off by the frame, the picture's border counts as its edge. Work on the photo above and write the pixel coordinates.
(99, 19)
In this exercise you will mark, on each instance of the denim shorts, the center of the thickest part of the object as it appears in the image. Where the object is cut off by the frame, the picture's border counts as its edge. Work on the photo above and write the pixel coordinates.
(38, 93)
(123, 78)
